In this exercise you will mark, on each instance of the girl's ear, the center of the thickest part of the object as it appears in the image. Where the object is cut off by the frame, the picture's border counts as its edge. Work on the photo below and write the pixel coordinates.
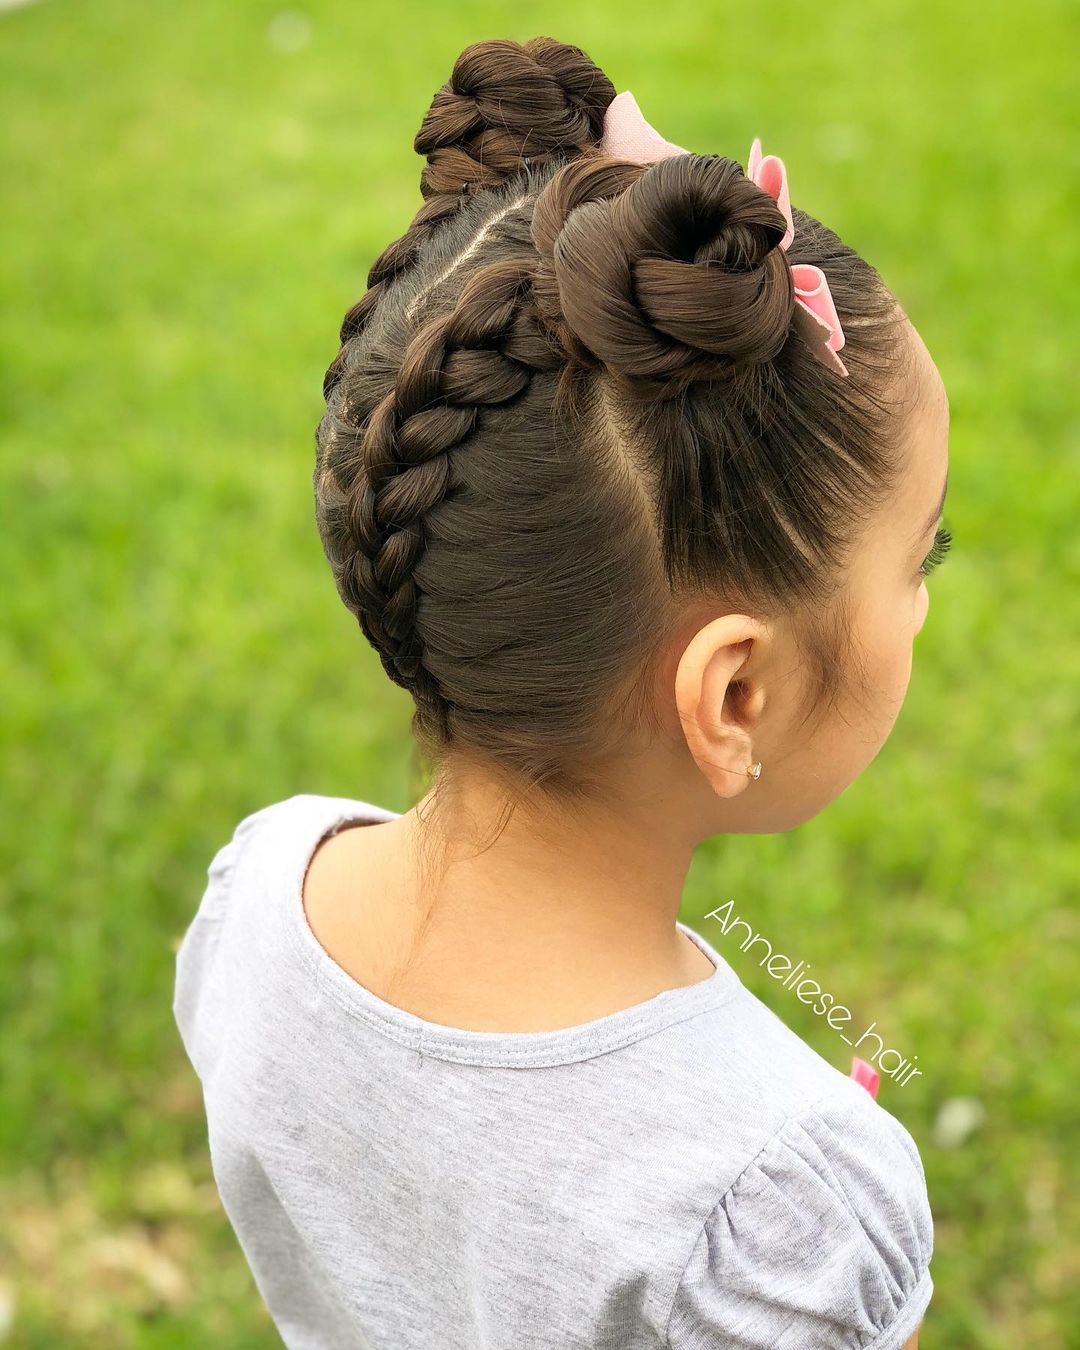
(719, 701)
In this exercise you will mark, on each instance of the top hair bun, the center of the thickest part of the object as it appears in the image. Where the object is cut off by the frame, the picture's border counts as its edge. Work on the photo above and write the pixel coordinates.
(665, 273)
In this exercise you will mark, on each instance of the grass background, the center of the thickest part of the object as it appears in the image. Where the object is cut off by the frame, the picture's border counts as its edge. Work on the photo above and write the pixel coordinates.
(192, 195)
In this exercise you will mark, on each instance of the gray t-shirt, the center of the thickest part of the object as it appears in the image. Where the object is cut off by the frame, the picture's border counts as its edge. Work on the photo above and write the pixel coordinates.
(684, 1173)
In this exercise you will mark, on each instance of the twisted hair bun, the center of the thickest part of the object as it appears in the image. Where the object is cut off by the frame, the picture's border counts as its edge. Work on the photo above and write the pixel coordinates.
(506, 104)
(504, 101)
(665, 273)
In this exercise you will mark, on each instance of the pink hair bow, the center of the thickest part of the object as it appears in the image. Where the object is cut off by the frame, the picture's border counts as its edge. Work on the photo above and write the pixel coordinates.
(627, 135)
(865, 1074)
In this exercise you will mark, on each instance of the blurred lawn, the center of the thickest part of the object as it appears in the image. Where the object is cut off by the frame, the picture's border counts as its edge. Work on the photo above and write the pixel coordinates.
(192, 197)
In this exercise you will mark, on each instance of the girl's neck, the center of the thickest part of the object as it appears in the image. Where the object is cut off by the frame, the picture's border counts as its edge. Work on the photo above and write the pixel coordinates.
(543, 929)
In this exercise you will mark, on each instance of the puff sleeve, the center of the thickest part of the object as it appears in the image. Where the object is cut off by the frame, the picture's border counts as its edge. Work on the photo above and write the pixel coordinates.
(197, 949)
(823, 1242)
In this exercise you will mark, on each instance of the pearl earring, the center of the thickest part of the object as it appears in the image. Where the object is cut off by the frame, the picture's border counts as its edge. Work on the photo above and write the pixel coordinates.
(754, 770)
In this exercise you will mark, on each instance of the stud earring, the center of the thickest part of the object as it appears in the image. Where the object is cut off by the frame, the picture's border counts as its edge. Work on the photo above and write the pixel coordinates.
(754, 771)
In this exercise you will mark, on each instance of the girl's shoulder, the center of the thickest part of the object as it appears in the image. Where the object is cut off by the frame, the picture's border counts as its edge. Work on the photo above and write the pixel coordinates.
(818, 1230)
(277, 840)
(823, 1238)
(249, 907)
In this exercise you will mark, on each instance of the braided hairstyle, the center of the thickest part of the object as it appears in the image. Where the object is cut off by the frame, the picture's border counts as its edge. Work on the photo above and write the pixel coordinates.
(571, 403)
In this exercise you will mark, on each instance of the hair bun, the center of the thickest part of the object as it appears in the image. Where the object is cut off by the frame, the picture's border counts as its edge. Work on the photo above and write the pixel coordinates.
(504, 101)
(665, 273)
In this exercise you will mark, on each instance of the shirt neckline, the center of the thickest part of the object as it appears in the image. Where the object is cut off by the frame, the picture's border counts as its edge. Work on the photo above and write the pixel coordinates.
(461, 1045)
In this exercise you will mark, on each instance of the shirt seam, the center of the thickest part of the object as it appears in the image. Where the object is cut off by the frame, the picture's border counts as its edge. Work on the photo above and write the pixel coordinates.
(511, 1058)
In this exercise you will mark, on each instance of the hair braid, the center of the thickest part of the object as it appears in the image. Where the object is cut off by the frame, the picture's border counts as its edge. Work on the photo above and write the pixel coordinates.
(502, 98)
(485, 352)
(397, 258)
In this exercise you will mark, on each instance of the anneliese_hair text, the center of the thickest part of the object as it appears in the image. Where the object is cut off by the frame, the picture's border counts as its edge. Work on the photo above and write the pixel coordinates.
(889, 1062)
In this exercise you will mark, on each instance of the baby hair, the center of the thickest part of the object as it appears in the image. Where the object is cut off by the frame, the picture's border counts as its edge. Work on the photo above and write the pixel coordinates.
(572, 405)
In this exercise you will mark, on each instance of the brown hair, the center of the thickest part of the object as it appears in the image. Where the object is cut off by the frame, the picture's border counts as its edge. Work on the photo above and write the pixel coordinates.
(571, 402)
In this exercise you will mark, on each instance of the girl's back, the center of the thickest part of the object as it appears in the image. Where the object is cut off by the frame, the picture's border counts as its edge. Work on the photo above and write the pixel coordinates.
(680, 1171)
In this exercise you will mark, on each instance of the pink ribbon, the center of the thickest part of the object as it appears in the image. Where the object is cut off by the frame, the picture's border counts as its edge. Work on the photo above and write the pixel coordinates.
(627, 135)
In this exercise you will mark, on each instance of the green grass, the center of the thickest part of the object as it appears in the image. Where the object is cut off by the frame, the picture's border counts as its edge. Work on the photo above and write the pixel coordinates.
(188, 212)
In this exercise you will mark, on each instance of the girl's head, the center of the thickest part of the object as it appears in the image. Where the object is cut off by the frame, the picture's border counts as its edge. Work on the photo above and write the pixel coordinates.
(589, 494)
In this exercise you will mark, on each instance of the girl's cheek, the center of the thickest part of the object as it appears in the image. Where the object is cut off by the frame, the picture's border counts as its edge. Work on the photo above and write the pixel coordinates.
(922, 606)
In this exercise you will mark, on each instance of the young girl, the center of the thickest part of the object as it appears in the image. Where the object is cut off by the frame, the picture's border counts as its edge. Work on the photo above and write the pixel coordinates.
(649, 554)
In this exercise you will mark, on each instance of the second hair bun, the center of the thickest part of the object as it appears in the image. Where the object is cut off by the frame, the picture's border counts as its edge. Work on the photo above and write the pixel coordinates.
(665, 273)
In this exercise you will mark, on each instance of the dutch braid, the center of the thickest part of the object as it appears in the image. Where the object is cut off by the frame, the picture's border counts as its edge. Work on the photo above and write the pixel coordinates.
(482, 354)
